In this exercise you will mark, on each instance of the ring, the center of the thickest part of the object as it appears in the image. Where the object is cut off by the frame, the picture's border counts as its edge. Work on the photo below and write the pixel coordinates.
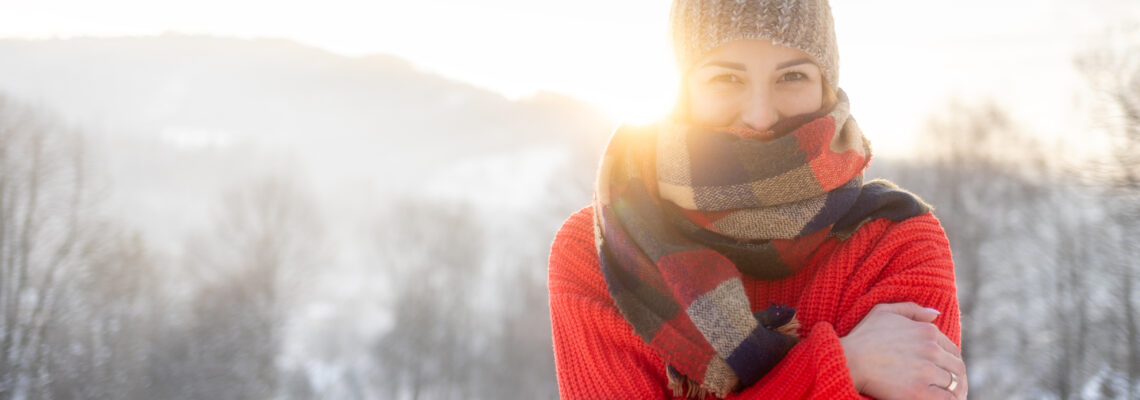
(953, 382)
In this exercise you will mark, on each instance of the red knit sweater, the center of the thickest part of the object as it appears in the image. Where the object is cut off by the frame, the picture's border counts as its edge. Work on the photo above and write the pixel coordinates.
(598, 356)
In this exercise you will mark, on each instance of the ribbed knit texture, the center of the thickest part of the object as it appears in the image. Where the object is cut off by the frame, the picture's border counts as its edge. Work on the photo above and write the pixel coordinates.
(598, 356)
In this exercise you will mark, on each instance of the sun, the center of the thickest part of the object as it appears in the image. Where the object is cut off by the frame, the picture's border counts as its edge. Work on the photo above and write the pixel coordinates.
(651, 104)
(641, 88)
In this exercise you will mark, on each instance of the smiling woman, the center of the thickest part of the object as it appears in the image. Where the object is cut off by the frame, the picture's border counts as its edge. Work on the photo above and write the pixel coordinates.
(733, 250)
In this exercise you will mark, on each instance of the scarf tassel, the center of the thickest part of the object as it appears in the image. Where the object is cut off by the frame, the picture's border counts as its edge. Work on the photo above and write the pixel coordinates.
(682, 386)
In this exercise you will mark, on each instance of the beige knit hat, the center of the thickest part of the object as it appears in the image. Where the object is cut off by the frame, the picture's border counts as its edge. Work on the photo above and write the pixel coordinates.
(698, 26)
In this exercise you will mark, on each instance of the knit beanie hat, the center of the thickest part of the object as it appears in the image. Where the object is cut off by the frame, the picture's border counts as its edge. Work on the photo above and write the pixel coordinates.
(698, 26)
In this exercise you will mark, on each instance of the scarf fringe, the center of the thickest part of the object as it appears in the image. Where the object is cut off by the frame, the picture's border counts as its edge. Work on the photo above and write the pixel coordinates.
(687, 388)
(683, 386)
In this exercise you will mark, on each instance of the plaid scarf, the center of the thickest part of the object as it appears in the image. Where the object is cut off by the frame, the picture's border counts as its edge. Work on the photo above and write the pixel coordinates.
(680, 212)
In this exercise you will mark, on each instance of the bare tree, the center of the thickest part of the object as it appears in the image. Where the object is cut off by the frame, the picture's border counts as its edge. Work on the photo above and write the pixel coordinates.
(1068, 287)
(518, 362)
(1113, 70)
(100, 341)
(42, 204)
(264, 240)
(433, 256)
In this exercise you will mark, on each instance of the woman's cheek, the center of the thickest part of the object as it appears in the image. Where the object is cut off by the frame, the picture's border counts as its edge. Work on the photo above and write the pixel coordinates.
(713, 111)
(802, 103)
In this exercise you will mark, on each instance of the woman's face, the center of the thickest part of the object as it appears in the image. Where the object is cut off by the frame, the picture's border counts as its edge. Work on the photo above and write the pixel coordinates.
(751, 84)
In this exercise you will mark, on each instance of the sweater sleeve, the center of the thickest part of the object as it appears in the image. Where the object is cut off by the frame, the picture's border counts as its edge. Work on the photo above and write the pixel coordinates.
(901, 262)
(884, 262)
(598, 356)
(596, 353)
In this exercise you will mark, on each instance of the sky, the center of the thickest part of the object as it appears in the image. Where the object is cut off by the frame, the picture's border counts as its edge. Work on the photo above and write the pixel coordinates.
(900, 60)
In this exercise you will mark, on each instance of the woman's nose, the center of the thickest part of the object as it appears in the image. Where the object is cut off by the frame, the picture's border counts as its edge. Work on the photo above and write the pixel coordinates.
(759, 113)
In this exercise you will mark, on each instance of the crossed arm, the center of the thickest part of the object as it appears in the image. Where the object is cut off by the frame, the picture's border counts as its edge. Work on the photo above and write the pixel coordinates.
(897, 338)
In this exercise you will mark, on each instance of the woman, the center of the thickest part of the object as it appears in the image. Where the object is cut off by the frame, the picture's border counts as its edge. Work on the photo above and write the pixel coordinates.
(733, 249)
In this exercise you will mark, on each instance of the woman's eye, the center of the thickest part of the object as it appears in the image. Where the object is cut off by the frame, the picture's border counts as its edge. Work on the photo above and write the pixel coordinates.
(725, 78)
(793, 77)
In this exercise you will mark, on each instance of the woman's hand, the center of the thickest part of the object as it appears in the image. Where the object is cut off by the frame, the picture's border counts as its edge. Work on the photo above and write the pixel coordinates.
(897, 353)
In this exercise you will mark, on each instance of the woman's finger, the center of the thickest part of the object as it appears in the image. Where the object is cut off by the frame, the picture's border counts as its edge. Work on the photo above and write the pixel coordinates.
(948, 363)
(949, 359)
(955, 379)
(909, 310)
(949, 346)
(954, 385)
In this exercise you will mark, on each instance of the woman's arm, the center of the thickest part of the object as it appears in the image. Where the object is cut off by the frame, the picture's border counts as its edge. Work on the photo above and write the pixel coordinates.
(598, 356)
(897, 352)
(895, 347)
(902, 336)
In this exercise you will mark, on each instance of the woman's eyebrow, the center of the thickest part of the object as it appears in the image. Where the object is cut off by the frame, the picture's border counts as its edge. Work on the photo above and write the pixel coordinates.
(795, 62)
(726, 64)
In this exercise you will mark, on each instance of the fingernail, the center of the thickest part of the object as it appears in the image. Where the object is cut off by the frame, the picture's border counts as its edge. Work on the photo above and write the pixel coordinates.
(933, 310)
